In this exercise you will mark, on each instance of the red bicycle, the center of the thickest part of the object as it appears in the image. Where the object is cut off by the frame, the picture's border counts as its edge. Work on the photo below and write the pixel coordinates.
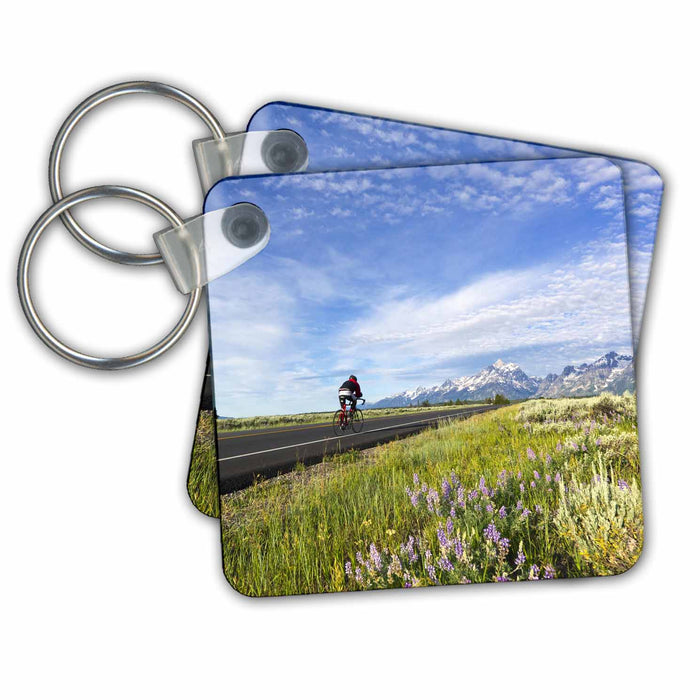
(348, 418)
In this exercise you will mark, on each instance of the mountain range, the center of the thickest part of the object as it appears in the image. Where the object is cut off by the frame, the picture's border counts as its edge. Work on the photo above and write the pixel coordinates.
(611, 372)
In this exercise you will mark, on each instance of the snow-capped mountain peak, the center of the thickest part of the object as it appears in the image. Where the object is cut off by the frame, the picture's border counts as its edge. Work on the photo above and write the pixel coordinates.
(610, 372)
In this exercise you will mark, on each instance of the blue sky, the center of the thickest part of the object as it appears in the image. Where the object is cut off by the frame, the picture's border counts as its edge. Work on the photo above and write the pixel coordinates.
(412, 275)
(340, 140)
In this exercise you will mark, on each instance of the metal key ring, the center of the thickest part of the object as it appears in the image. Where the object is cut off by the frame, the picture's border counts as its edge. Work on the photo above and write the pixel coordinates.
(108, 93)
(35, 321)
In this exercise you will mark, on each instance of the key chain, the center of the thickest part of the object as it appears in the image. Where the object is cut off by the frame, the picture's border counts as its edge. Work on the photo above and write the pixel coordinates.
(339, 261)
(443, 293)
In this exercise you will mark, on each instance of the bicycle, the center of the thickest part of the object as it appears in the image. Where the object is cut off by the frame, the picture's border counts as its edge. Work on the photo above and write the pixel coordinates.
(346, 418)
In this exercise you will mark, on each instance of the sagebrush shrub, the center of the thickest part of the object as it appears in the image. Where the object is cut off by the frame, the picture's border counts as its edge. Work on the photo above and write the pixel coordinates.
(602, 521)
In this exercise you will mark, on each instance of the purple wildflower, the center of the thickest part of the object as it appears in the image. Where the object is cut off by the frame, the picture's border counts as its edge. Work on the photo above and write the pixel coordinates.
(459, 550)
(431, 573)
(416, 480)
(375, 556)
(558, 447)
(549, 571)
(432, 500)
(623, 485)
(491, 533)
(502, 512)
(531, 454)
(536, 474)
(442, 538)
(557, 477)
(445, 564)
(348, 568)
(520, 559)
(450, 526)
(460, 497)
(534, 573)
(548, 458)
(446, 488)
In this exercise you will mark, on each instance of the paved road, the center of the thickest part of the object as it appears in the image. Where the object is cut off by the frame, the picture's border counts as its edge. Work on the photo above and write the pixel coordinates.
(271, 451)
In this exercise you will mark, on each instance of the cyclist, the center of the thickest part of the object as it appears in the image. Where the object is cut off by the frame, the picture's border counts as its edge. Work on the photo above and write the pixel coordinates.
(349, 391)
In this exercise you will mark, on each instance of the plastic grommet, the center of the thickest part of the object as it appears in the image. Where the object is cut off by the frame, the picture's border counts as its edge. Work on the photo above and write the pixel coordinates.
(65, 351)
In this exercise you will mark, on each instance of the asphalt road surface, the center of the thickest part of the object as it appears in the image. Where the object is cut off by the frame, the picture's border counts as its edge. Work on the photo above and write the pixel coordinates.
(271, 451)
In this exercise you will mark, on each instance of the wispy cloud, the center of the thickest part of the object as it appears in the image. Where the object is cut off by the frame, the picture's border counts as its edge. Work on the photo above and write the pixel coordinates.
(340, 141)
(577, 302)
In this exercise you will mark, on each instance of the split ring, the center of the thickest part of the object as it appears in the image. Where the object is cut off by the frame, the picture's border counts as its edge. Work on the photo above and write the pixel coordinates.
(100, 97)
(59, 209)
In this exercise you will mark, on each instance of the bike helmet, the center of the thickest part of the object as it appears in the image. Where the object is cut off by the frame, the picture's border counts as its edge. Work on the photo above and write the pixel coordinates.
(353, 377)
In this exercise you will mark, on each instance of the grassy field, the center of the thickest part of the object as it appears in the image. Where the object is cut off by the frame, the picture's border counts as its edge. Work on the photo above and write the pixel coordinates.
(203, 479)
(545, 489)
(233, 424)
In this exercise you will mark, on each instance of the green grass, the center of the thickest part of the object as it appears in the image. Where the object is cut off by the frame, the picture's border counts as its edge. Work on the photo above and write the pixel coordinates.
(202, 481)
(393, 516)
(253, 423)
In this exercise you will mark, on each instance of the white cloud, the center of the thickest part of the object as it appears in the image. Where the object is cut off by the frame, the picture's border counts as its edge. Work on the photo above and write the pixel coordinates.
(644, 210)
(593, 171)
(584, 300)
(300, 212)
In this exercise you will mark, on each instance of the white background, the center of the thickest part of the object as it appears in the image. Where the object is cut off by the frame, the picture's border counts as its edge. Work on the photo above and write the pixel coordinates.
(111, 581)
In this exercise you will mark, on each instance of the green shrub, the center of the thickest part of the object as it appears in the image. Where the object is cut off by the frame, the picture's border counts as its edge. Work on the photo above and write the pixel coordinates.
(602, 521)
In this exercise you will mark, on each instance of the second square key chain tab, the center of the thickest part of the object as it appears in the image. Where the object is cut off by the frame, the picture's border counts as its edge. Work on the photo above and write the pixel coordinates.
(222, 155)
